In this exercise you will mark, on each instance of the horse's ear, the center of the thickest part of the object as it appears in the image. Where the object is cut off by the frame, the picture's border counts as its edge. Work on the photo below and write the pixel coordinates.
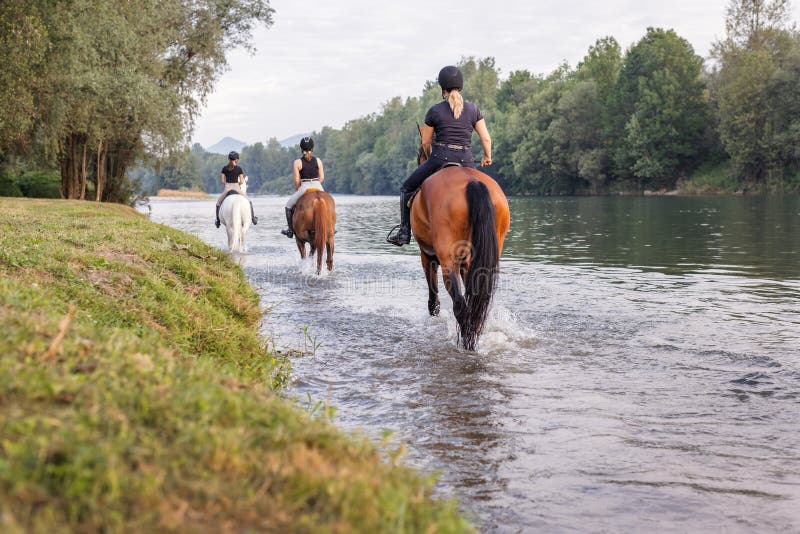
(419, 129)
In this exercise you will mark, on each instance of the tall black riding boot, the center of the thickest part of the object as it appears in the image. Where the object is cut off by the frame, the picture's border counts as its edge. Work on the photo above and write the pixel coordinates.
(289, 232)
(216, 222)
(403, 235)
(253, 214)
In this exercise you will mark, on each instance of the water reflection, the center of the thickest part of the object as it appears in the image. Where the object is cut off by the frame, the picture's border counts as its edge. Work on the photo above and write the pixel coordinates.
(751, 236)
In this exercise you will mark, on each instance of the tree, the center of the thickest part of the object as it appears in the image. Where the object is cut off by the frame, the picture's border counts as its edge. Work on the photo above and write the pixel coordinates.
(756, 91)
(602, 64)
(481, 81)
(533, 166)
(659, 105)
(749, 23)
(23, 42)
(118, 79)
(581, 132)
(579, 143)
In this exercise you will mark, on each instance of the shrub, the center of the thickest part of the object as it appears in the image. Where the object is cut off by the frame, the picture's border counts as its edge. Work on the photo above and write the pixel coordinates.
(9, 187)
(40, 184)
(712, 178)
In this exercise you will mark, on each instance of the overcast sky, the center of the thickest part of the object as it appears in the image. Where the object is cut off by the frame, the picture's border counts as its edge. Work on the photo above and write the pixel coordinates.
(324, 62)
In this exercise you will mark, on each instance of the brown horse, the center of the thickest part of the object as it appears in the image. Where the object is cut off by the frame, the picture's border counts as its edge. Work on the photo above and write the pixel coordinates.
(314, 222)
(460, 218)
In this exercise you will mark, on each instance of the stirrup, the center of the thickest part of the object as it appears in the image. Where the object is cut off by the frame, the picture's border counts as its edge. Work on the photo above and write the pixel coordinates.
(288, 232)
(255, 220)
(216, 223)
(396, 238)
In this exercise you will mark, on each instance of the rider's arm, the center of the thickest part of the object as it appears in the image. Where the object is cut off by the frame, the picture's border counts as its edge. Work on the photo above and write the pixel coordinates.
(427, 139)
(486, 142)
(296, 169)
(321, 171)
(222, 178)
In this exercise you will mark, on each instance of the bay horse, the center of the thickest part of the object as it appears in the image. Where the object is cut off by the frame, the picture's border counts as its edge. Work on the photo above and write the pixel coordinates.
(459, 218)
(234, 213)
(314, 222)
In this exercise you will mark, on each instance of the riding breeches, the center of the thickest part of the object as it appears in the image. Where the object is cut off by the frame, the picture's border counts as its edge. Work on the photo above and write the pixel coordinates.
(439, 158)
(230, 187)
(313, 185)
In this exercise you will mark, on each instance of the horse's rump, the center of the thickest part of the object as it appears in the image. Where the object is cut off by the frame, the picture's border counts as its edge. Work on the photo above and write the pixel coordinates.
(314, 222)
(234, 213)
(460, 218)
(440, 206)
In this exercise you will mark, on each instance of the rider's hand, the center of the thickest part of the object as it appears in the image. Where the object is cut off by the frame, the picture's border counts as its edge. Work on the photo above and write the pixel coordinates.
(486, 160)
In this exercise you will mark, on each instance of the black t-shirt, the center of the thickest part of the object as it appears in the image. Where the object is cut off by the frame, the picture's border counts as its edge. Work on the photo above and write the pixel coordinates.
(451, 131)
(232, 175)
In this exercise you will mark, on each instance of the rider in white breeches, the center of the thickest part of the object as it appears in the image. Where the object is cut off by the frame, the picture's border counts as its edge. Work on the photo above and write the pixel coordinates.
(308, 176)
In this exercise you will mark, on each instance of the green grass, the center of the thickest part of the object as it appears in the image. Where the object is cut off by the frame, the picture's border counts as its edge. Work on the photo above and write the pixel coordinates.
(137, 396)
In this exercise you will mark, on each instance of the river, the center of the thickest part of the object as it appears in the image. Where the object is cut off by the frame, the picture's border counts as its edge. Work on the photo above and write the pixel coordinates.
(640, 369)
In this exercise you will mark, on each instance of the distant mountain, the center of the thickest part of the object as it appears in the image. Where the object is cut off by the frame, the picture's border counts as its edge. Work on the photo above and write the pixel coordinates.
(226, 145)
(293, 140)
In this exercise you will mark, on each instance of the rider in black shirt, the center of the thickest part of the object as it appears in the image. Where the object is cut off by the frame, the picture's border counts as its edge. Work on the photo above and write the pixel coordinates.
(232, 177)
(446, 136)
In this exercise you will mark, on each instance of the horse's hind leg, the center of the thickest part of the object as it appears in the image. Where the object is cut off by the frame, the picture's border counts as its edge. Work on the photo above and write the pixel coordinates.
(452, 282)
(301, 247)
(329, 253)
(431, 268)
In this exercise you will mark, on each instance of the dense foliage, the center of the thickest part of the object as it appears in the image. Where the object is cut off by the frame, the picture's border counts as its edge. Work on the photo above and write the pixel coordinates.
(654, 116)
(89, 86)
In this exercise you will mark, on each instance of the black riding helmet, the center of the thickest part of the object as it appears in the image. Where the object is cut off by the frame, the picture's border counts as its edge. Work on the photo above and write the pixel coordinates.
(451, 78)
(306, 143)
(233, 155)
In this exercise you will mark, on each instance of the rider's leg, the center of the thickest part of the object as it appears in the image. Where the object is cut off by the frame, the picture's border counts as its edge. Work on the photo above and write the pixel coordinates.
(289, 232)
(220, 198)
(253, 213)
(403, 235)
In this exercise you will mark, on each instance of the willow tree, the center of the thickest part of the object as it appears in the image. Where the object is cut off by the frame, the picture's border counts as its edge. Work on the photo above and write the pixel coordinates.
(23, 41)
(124, 78)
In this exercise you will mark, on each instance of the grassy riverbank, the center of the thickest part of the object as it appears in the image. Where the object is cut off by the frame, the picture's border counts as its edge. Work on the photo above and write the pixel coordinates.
(136, 394)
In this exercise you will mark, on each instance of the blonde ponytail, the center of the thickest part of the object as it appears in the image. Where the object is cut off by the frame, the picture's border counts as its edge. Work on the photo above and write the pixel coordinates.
(456, 102)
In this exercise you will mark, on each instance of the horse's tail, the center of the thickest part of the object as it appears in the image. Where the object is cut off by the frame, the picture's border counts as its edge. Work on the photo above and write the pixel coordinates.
(320, 229)
(235, 229)
(239, 213)
(481, 278)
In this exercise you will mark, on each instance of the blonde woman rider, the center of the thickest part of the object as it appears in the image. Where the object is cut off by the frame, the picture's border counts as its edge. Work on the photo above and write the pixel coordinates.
(446, 136)
(232, 177)
(308, 176)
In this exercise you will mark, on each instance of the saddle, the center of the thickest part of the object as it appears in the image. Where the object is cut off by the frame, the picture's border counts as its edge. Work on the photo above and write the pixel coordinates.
(230, 192)
(414, 194)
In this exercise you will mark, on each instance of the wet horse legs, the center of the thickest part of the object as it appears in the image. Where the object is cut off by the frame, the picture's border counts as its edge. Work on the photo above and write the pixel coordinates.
(329, 253)
(431, 268)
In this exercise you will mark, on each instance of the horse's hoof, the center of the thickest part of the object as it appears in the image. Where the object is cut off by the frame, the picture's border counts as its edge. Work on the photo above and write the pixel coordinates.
(434, 308)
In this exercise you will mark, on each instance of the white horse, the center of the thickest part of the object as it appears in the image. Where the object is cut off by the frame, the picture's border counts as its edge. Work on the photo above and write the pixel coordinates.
(235, 215)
